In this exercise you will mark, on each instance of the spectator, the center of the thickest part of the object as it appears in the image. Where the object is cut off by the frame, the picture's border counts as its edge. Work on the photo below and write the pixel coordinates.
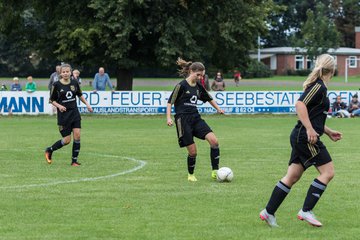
(354, 107)
(218, 84)
(30, 85)
(54, 77)
(76, 76)
(237, 77)
(3, 87)
(101, 79)
(204, 81)
(16, 85)
(339, 108)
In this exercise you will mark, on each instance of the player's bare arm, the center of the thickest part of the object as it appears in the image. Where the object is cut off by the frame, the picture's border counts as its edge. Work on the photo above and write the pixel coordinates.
(218, 109)
(332, 134)
(59, 106)
(168, 115)
(83, 100)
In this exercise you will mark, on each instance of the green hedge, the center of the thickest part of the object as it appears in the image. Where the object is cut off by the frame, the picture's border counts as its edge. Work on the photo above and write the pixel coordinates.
(257, 70)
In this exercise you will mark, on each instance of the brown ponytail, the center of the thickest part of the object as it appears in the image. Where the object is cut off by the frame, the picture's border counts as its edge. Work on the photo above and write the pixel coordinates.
(186, 67)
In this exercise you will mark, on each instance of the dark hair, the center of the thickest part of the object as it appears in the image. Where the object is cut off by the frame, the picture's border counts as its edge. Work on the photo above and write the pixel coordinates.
(186, 67)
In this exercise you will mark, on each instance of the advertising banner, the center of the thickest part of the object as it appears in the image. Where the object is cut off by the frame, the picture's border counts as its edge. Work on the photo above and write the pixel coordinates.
(154, 102)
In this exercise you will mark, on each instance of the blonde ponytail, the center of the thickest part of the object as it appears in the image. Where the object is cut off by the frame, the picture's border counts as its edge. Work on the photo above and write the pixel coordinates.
(324, 69)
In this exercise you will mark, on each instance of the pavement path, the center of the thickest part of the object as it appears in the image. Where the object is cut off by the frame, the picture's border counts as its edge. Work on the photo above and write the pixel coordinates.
(228, 82)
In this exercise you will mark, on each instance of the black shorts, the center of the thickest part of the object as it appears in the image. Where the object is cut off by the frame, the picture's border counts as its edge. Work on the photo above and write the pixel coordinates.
(189, 126)
(305, 153)
(65, 130)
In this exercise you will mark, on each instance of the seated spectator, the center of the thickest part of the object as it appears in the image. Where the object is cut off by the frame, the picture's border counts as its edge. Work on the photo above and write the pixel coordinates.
(339, 108)
(218, 84)
(76, 76)
(354, 107)
(204, 81)
(16, 85)
(237, 77)
(30, 85)
(3, 87)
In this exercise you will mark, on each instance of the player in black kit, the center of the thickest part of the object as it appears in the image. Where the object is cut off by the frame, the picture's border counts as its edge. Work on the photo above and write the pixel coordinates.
(63, 97)
(307, 149)
(189, 123)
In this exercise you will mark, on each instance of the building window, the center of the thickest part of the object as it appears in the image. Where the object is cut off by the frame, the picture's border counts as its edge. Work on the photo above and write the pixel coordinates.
(352, 62)
(335, 60)
(299, 62)
(309, 63)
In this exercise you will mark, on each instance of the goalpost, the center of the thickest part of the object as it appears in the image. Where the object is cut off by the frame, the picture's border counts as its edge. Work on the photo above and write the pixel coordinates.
(351, 62)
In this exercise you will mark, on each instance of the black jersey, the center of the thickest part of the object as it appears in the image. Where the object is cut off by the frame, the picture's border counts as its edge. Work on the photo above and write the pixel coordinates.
(185, 97)
(66, 95)
(317, 104)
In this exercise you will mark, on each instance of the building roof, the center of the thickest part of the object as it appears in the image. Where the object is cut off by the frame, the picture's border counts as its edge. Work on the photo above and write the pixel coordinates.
(262, 56)
(293, 50)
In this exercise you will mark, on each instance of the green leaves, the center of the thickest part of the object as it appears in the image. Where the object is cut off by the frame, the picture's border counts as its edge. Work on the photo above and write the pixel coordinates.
(126, 34)
(318, 32)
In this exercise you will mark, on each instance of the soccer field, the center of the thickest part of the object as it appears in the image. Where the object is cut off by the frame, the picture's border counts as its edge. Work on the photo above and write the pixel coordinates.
(132, 183)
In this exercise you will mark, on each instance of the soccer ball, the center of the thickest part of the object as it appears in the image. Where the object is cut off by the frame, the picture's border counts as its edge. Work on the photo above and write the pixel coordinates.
(224, 174)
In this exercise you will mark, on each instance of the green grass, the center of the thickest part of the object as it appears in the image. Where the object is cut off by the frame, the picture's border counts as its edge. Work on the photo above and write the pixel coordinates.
(157, 201)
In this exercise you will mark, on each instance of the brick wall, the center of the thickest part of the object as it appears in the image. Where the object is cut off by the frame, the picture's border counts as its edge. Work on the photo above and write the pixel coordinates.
(357, 37)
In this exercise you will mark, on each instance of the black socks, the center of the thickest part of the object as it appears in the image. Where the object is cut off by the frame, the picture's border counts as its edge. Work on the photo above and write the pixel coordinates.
(314, 193)
(215, 157)
(280, 192)
(59, 144)
(75, 150)
(191, 161)
(277, 197)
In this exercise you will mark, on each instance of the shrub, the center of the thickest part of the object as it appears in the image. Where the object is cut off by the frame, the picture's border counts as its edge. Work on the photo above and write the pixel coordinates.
(257, 70)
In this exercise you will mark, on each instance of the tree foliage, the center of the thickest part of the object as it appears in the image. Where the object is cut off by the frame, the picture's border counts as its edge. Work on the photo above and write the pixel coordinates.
(347, 17)
(318, 33)
(19, 31)
(287, 24)
(128, 34)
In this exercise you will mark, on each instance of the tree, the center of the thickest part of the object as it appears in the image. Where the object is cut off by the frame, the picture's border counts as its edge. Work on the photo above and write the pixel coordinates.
(134, 33)
(286, 25)
(19, 31)
(128, 34)
(318, 33)
(347, 17)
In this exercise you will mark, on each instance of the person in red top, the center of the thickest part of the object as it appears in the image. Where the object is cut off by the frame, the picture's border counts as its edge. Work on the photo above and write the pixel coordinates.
(204, 81)
(237, 77)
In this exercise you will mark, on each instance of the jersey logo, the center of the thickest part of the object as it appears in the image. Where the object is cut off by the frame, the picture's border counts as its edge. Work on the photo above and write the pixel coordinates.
(193, 99)
(72, 88)
(187, 92)
(69, 94)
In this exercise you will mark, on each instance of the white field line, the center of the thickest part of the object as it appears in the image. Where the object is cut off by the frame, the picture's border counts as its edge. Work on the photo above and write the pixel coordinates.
(140, 165)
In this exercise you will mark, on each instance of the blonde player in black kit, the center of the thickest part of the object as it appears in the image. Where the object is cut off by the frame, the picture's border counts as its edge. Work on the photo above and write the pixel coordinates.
(63, 97)
(189, 123)
(307, 149)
